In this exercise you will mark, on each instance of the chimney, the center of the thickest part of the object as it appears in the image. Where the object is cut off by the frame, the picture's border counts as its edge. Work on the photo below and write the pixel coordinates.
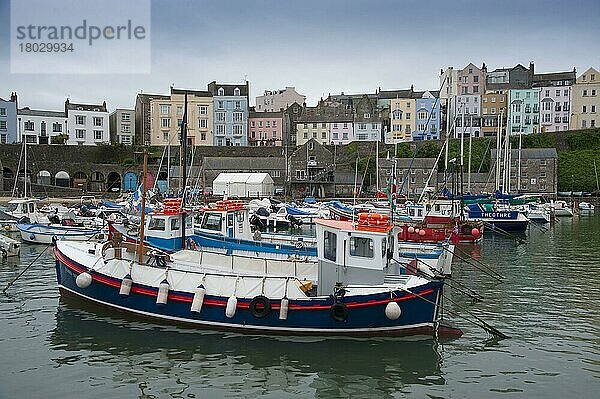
(67, 107)
(13, 98)
(531, 67)
(104, 105)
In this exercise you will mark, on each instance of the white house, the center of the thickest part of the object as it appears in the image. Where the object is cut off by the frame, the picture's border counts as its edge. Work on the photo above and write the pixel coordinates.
(39, 127)
(122, 126)
(87, 123)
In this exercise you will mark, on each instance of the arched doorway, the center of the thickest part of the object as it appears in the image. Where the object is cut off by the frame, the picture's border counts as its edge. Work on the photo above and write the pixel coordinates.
(62, 179)
(44, 178)
(113, 182)
(97, 182)
(130, 182)
(80, 180)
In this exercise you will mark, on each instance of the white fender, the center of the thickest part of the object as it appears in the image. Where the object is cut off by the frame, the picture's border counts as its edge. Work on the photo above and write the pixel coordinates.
(231, 306)
(283, 309)
(83, 280)
(392, 310)
(198, 299)
(163, 293)
(126, 285)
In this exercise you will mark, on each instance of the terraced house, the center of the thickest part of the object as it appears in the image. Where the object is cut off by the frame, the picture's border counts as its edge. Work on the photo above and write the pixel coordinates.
(167, 115)
(87, 123)
(586, 100)
(8, 119)
(524, 111)
(555, 99)
(427, 106)
(230, 114)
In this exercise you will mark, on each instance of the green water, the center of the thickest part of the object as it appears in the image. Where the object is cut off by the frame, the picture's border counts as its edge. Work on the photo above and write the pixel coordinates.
(549, 304)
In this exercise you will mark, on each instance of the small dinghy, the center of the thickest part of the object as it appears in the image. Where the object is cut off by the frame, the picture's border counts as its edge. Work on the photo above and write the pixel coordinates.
(44, 234)
(9, 247)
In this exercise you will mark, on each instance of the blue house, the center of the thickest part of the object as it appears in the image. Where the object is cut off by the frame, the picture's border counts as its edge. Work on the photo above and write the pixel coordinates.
(8, 119)
(427, 126)
(230, 114)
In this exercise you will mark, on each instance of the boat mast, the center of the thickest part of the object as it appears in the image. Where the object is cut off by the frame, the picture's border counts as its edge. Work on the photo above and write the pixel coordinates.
(470, 145)
(376, 167)
(25, 175)
(462, 147)
(143, 216)
(498, 151)
(519, 165)
(169, 165)
(184, 172)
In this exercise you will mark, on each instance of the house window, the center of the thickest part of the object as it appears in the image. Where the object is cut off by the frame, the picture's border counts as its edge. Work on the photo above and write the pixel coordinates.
(29, 126)
(220, 129)
(80, 133)
(80, 119)
(125, 128)
(179, 110)
(585, 93)
(408, 115)
(165, 123)
(203, 109)
(323, 126)
(97, 134)
(323, 135)
(361, 247)
(126, 139)
(97, 121)
(300, 174)
(165, 109)
(220, 104)
(236, 92)
(238, 105)
(237, 130)
(202, 123)
(330, 245)
(203, 136)
(238, 116)
(125, 117)
(593, 108)
(2, 111)
(3, 125)
(165, 136)
(593, 123)
(220, 116)
(221, 92)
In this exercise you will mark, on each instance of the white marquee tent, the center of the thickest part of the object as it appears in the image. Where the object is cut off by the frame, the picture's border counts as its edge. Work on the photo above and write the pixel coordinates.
(244, 185)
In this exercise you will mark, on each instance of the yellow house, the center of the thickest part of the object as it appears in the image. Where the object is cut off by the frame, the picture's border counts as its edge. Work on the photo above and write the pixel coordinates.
(402, 121)
(307, 130)
(166, 116)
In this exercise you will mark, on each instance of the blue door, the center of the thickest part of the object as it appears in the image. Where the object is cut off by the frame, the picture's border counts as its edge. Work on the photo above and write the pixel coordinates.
(130, 182)
(230, 216)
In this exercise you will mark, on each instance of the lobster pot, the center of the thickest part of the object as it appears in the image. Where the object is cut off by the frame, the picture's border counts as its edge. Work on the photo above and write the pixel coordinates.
(231, 306)
(163, 293)
(126, 286)
(283, 309)
(198, 299)
(83, 280)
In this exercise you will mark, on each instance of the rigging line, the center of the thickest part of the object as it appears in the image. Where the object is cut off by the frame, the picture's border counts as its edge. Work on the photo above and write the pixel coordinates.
(484, 265)
(504, 232)
(16, 176)
(26, 268)
(485, 270)
(482, 324)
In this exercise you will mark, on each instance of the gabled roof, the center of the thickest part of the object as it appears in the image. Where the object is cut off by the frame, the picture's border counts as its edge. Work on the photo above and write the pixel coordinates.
(228, 89)
(531, 153)
(197, 93)
(540, 78)
(85, 107)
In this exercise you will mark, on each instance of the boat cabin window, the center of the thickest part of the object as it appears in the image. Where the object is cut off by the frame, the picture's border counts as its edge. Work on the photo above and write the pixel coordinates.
(24, 208)
(31, 207)
(361, 246)
(211, 221)
(240, 217)
(330, 246)
(420, 212)
(175, 223)
(188, 222)
(383, 247)
(12, 207)
(156, 224)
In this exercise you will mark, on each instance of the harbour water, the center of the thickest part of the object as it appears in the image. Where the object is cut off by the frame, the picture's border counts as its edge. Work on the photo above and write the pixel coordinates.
(549, 304)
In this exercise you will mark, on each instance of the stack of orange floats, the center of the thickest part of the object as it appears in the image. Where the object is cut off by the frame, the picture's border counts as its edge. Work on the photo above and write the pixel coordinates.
(172, 206)
(373, 222)
(229, 205)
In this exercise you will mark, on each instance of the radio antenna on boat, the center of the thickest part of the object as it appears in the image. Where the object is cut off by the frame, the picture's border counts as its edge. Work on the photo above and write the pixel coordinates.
(184, 167)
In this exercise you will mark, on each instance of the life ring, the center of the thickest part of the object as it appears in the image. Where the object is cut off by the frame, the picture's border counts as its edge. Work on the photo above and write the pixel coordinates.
(339, 311)
(299, 244)
(260, 306)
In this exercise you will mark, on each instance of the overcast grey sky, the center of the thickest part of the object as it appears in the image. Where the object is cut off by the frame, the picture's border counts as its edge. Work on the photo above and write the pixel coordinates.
(326, 46)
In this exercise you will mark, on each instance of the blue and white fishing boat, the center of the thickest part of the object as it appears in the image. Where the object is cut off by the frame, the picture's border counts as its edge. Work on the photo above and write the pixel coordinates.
(494, 218)
(359, 292)
(44, 234)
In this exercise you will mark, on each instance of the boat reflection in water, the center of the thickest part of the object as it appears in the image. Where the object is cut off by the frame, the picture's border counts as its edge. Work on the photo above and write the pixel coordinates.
(221, 362)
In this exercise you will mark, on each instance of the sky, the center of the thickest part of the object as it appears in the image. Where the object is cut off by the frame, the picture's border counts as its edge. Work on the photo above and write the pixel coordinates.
(326, 46)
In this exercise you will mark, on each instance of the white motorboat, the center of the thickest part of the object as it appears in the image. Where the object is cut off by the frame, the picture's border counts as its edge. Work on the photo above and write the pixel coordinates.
(586, 206)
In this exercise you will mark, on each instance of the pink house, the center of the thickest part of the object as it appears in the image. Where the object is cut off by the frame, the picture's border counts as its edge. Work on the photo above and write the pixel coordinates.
(341, 132)
(265, 129)
(471, 80)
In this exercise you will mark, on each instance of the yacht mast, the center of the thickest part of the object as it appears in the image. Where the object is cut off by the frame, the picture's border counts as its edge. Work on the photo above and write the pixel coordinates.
(184, 163)
(143, 216)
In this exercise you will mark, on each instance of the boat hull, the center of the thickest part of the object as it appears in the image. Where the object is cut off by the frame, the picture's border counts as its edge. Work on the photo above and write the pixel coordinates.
(312, 316)
(39, 234)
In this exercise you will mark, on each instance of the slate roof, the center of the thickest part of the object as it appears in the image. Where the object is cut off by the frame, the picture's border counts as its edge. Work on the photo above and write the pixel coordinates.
(391, 94)
(213, 88)
(264, 114)
(244, 163)
(85, 107)
(542, 79)
(36, 112)
(197, 93)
